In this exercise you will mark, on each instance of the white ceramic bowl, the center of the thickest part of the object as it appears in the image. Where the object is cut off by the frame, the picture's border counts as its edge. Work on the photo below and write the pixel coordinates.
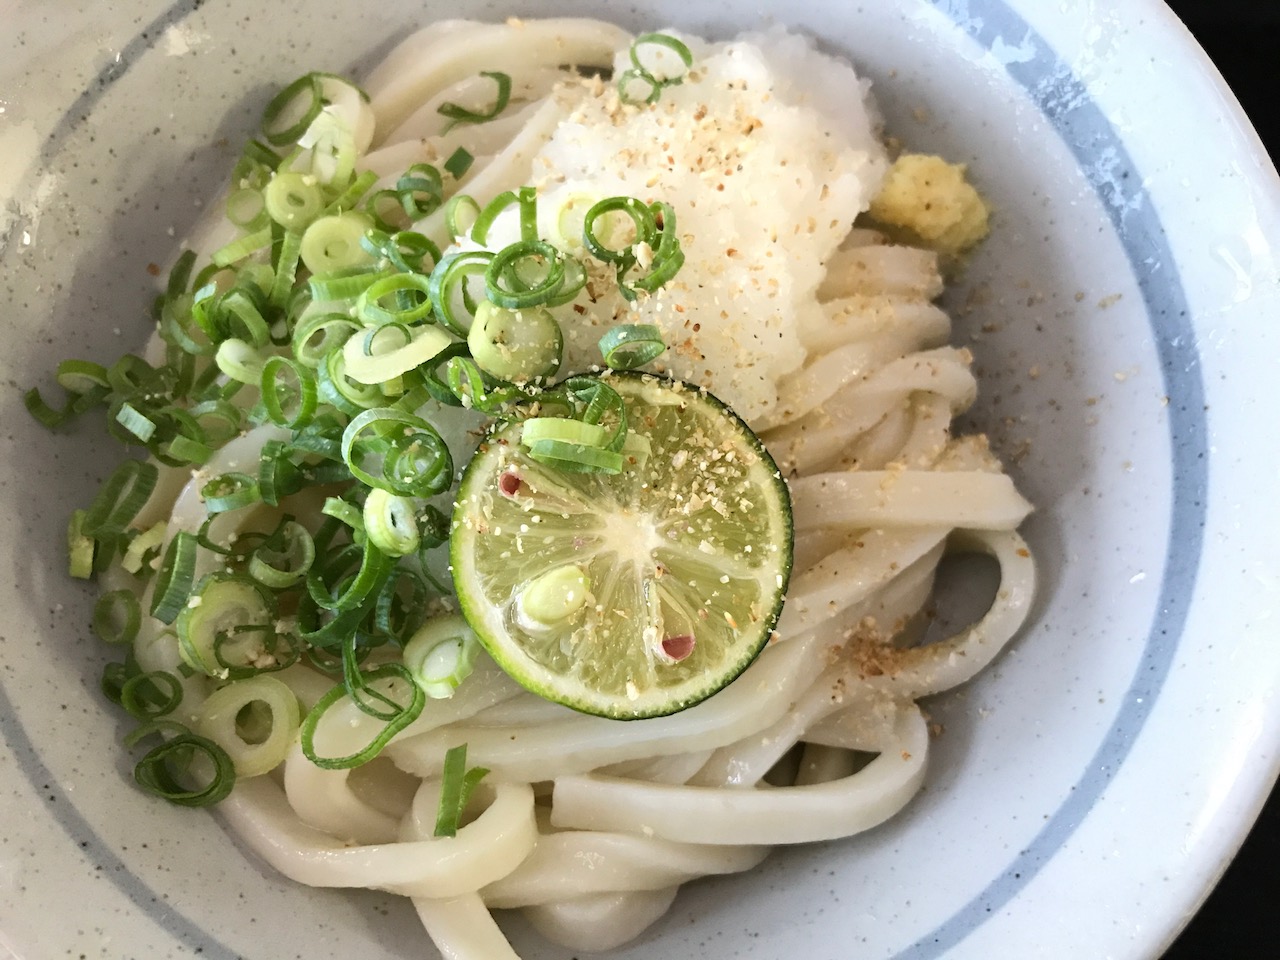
(1088, 789)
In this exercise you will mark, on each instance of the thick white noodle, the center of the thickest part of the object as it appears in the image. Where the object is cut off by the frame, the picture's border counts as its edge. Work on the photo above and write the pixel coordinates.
(432, 60)
(600, 921)
(463, 928)
(907, 498)
(576, 743)
(575, 863)
(879, 270)
(765, 815)
(489, 847)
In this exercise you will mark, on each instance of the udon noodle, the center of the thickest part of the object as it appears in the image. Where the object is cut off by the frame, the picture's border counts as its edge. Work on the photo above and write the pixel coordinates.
(590, 825)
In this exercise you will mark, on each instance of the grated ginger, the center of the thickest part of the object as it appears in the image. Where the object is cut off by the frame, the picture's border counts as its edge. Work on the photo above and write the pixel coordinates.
(932, 199)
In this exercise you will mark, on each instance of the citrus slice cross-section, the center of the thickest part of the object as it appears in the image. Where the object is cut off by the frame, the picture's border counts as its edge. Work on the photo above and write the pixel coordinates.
(635, 594)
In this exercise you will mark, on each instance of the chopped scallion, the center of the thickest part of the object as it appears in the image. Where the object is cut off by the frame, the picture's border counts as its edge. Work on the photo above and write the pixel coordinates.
(457, 783)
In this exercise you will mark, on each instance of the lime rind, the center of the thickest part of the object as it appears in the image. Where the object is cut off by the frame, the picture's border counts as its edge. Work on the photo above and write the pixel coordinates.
(694, 540)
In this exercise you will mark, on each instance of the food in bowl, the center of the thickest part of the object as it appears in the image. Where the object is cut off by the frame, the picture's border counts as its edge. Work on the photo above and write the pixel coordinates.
(631, 282)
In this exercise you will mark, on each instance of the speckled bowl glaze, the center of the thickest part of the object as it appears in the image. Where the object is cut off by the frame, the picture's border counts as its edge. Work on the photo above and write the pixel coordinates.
(1087, 790)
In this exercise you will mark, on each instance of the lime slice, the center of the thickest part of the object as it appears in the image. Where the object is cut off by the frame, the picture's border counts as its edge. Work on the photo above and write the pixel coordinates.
(636, 594)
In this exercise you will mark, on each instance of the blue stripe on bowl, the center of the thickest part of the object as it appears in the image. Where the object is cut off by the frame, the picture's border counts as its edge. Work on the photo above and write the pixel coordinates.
(1065, 103)
(154, 904)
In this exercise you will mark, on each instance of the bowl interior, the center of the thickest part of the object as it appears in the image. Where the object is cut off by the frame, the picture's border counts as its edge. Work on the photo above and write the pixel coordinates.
(1092, 390)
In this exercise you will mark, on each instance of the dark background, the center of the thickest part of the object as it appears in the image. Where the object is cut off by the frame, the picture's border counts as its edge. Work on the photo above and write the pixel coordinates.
(1241, 919)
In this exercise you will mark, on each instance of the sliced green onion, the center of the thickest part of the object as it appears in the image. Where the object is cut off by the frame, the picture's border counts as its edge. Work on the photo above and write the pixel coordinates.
(395, 614)
(515, 345)
(342, 284)
(594, 401)
(240, 361)
(288, 392)
(284, 558)
(81, 376)
(459, 163)
(644, 81)
(219, 419)
(185, 450)
(631, 345)
(142, 697)
(293, 200)
(344, 512)
(45, 414)
(528, 273)
(389, 523)
(387, 210)
(117, 616)
(242, 247)
(652, 47)
(150, 540)
(433, 385)
(247, 209)
(408, 250)
(448, 285)
(135, 422)
(646, 229)
(285, 255)
(223, 623)
(427, 469)
(382, 354)
(575, 457)
(278, 475)
(336, 388)
(253, 168)
(528, 199)
(441, 654)
(409, 294)
(421, 190)
(486, 217)
(373, 570)
(460, 215)
(460, 114)
(79, 547)
(162, 769)
(564, 429)
(238, 313)
(332, 149)
(291, 111)
(180, 274)
(635, 87)
(405, 250)
(252, 754)
(352, 195)
(406, 715)
(316, 336)
(177, 571)
(333, 242)
(456, 786)
(122, 495)
(465, 382)
(229, 491)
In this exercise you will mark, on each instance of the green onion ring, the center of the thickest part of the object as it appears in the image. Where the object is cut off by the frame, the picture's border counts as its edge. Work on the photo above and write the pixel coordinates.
(406, 716)
(154, 774)
(177, 572)
(502, 269)
(631, 345)
(438, 475)
(122, 495)
(117, 616)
